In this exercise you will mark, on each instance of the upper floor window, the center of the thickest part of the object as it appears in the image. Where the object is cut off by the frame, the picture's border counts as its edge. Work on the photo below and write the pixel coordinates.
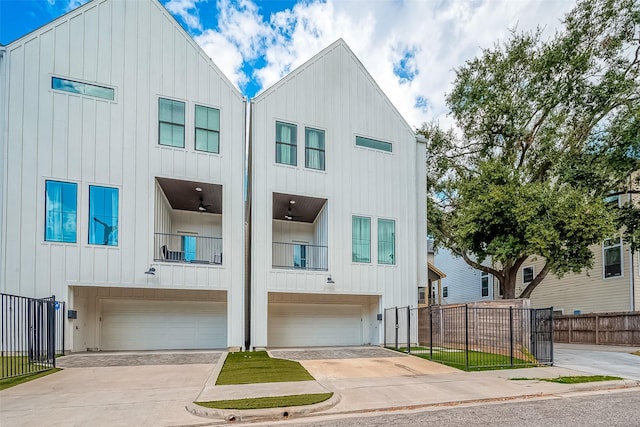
(81, 88)
(314, 148)
(386, 241)
(171, 123)
(61, 211)
(361, 239)
(612, 254)
(373, 143)
(103, 215)
(484, 278)
(527, 274)
(286, 140)
(613, 200)
(207, 129)
(445, 292)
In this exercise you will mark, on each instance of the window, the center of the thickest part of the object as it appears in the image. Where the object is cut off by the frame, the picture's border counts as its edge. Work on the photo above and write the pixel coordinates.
(286, 137)
(103, 216)
(445, 292)
(373, 143)
(485, 284)
(361, 239)
(300, 256)
(422, 294)
(207, 129)
(314, 148)
(61, 207)
(613, 200)
(386, 241)
(171, 126)
(86, 89)
(612, 249)
(527, 274)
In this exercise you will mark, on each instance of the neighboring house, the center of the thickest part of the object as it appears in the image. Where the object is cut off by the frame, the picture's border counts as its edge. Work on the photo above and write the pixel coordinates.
(123, 169)
(338, 205)
(613, 284)
(123, 150)
(460, 282)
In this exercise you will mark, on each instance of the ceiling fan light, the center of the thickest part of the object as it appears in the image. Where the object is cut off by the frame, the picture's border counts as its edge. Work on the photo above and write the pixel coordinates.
(293, 202)
(202, 208)
(198, 189)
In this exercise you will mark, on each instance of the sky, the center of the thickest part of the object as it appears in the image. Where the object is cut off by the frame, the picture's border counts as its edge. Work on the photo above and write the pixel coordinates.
(410, 47)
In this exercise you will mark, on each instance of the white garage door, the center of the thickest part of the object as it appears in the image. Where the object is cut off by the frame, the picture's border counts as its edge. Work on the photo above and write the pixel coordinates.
(294, 325)
(162, 325)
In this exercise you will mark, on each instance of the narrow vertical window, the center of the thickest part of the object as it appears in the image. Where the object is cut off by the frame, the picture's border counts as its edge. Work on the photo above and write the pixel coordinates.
(300, 256)
(61, 211)
(103, 216)
(527, 274)
(171, 123)
(386, 241)
(612, 249)
(485, 284)
(361, 239)
(189, 247)
(445, 292)
(207, 129)
(286, 140)
(314, 148)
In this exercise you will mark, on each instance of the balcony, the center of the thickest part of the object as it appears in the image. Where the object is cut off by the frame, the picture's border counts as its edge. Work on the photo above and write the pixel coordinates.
(187, 249)
(188, 222)
(300, 256)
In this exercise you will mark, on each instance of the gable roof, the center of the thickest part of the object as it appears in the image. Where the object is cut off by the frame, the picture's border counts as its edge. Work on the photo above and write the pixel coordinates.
(340, 43)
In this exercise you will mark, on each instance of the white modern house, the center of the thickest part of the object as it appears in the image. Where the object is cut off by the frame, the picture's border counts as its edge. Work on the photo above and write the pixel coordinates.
(337, 206)
(123, 153)
(122, 179)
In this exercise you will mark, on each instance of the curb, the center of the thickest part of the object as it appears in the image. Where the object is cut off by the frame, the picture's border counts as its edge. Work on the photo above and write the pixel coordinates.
(267, 414)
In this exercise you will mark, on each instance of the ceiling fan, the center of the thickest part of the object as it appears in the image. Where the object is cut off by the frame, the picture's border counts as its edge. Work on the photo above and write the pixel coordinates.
(202, 207)
(290, 216)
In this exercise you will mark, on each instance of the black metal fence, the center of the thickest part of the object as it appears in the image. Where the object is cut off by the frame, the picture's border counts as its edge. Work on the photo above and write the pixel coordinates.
(300, 255)
(473, 337)
(28, 335)
(187, 248)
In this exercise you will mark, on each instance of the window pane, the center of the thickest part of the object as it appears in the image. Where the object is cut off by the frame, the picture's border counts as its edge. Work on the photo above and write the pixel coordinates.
(207, 141)
(314, 149)
(286, 133)
(60, 211)
(300, 256)
(103, 216)
(361, 239)
(314, 138)
(164, 110)
(386, 241)
(82, 88)
(207, 118)
(373, 143)
(527, 274)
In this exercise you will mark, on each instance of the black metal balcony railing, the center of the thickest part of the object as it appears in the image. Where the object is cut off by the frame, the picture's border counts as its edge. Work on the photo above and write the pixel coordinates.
(300, 255)
(187, 249)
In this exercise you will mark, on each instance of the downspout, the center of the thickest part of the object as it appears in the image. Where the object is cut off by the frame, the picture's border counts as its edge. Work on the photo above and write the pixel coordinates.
(247, 237)
(632, 285)
(4, 100)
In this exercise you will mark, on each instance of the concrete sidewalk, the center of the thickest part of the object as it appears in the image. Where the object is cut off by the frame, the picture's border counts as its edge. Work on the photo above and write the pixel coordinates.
(393, 382)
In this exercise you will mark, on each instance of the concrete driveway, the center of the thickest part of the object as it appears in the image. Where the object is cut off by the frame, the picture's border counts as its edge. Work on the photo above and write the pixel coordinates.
(112, 390)
(598, 359)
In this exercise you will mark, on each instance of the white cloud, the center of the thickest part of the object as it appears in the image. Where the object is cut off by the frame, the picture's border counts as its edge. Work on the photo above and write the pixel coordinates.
(71, 5)
(187, 10)
(440, 36)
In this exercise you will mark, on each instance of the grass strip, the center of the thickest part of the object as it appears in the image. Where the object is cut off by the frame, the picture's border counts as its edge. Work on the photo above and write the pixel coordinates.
(13, 381)
(637, 353)
(478, 360)
(572, 379)
(268, 402)
(257, 367)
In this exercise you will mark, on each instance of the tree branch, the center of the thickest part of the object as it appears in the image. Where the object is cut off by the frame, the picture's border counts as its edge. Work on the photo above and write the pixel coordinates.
(481, 267)
(535, 282)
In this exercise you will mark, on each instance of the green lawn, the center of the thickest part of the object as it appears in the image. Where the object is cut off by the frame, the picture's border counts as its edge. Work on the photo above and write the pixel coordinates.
(268, 402)
(478, 361)
(257, 367)
(18, 365)
(13, 381)
(573, 380)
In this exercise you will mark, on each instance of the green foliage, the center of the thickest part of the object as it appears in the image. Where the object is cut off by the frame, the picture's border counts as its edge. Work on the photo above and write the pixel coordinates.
(572, 379)
(257, 367)
(546, 129)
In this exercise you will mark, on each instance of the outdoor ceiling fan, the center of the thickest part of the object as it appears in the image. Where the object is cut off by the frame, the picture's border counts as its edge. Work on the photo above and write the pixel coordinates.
(290, 216)
(202, 207)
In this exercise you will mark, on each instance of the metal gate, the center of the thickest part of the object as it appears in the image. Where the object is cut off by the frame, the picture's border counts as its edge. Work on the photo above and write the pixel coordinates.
(28, 335)
(542, 335)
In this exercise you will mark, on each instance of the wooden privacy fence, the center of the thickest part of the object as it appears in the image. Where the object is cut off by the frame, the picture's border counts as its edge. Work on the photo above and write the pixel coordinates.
(598, 328)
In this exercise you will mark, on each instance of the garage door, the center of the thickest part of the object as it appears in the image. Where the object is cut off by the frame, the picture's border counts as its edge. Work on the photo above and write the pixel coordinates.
(162, 325)
(293, 325)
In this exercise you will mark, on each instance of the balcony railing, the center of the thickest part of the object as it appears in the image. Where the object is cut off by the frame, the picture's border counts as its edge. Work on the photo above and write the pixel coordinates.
(300, 256)
(187, 249)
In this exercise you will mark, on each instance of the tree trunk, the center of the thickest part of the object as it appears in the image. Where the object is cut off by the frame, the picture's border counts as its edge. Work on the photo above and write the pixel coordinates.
(535, 282)
(509, 283)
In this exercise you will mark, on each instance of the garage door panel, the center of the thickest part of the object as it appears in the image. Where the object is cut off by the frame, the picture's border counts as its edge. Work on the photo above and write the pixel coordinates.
(314, 324)
(162, 325)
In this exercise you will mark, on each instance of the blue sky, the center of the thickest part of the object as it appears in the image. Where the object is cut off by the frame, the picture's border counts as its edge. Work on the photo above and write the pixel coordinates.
(410, 47)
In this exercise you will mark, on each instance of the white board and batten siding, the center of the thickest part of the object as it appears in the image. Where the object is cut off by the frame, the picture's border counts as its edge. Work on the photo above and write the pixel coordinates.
(138, 49)
(333, 92)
